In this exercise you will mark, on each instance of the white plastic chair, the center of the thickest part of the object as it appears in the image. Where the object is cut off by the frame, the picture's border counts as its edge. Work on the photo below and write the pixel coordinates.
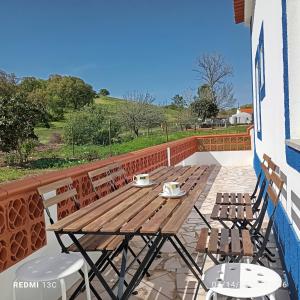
(51, 268)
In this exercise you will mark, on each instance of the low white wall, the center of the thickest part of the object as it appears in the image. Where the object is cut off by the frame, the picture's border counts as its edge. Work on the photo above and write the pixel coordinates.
(220, 158)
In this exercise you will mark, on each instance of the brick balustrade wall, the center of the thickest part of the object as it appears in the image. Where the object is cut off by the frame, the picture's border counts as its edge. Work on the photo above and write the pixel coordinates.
(228, 142)
(22, 223)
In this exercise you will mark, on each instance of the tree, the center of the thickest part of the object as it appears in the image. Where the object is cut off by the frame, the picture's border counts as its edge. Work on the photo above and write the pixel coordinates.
(8, 85)
(215, 73)
(186, 118)
(34, 90)
(68, 92)
(204, 106)
(31, 84)
(178, 102)
(89, 126)
(104, 92)
(133, 115)
(18, 117)
(154, 117)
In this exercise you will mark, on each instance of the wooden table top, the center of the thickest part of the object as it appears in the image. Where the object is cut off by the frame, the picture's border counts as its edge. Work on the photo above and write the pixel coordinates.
(131, 210)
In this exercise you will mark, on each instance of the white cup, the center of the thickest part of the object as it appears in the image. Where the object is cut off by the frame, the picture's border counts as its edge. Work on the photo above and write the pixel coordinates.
(142, 179)
(171, 188)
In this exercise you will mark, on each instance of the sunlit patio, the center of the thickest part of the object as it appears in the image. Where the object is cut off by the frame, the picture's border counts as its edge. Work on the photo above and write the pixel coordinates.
(111, 207)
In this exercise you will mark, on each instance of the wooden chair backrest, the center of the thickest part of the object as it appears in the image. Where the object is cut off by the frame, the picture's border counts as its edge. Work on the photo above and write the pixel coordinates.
(268, 165)
(116, 170)
(97, 178)
(274, 190)
(271, 165)
(69, 191)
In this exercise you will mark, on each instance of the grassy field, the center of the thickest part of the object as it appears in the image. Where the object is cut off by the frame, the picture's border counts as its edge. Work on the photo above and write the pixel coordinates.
(44, 134)
(113, 105)
(63, 157)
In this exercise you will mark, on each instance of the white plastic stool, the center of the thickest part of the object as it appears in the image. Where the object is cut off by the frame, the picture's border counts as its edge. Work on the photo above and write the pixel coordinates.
(50, 268)
(239, 280)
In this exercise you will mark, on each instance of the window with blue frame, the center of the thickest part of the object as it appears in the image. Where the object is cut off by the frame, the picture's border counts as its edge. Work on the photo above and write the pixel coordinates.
(260, 90)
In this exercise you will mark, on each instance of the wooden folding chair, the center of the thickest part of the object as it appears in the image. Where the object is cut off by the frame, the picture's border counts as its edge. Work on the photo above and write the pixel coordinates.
(118, 174)
(101, 181)
(229, 198)
(238, 208)
(234, 244)
(63, 190)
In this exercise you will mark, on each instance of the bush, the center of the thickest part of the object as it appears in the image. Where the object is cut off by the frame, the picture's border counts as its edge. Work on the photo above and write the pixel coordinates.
(104, 92)
(89, 126)
(11, 158)
(27, 149)
(23, 153)
(89, 155)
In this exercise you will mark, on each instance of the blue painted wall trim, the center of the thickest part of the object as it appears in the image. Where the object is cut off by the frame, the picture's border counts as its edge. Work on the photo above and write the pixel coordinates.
(259, 83)
(261, 49)
(285, 71)
(292, 155)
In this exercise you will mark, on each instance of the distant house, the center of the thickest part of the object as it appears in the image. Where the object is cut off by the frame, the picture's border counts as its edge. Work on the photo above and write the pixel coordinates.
(242, 116)
(248, 110)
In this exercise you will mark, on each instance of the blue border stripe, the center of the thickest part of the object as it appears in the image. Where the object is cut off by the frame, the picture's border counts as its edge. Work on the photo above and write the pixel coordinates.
(285, 71)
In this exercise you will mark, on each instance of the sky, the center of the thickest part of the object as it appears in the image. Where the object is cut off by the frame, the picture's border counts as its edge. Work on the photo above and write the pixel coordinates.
(124, 45)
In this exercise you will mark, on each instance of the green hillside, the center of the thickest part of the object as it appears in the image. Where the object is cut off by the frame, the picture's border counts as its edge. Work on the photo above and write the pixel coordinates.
(112, 105)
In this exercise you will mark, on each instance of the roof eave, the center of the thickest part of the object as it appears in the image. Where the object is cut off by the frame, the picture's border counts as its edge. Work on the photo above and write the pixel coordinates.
(243, 11)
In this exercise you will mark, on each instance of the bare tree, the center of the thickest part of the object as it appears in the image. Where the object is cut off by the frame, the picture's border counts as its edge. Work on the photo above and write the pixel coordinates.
(215, 73)
(186, 118)
(134, 113)
(188, 96)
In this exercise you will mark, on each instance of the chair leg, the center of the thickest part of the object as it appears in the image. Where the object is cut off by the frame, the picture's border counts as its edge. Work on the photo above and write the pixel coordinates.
(87, 283)
(63, 289)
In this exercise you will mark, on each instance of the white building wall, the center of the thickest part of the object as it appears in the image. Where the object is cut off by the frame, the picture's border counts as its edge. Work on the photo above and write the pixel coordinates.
(293, 27)
(220, 158)
(269, 12)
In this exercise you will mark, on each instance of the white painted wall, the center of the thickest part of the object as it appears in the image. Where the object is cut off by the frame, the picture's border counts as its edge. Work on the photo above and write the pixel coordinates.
(272, 107)
(220, 158)
(293, 27)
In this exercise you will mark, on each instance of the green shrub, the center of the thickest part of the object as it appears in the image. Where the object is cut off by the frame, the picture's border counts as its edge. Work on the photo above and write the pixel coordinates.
(89, 155)
(89, 126)
(27, 149)
(11, 158)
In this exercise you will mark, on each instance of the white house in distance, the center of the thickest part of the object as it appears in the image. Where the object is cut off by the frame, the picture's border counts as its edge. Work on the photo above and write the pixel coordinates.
(242, 116)
(274, 28)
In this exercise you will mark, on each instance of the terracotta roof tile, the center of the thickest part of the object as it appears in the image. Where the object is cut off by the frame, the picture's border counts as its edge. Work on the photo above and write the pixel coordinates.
(239, 10)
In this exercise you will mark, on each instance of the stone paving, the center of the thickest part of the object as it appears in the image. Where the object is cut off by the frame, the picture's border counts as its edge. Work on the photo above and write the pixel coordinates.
(170, 278)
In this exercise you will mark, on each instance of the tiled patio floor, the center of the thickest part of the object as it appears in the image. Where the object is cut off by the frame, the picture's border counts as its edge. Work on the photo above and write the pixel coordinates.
(170, 279)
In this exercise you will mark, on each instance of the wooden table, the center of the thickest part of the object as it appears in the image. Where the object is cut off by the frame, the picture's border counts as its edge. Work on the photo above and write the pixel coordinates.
(131, 211)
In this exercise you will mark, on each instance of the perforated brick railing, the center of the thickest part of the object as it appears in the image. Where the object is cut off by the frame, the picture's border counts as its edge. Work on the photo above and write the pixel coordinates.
(22, 225)
(224, 143)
